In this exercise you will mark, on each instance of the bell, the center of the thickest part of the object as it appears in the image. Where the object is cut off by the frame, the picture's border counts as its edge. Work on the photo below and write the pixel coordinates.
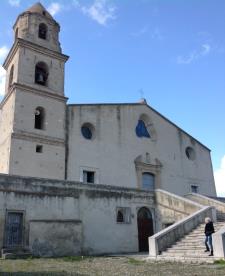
(40, 78)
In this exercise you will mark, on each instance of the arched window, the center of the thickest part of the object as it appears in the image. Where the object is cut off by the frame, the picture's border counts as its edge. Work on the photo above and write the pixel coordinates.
(144, 213)
(11, 76)
(148, 181)
(141, 130)
(39, 118)
(42, 32)
(41, 73)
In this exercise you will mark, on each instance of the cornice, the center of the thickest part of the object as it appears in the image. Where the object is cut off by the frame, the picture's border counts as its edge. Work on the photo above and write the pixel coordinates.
(19, 42)
(41, 92)
(28, 136)
(33, 90)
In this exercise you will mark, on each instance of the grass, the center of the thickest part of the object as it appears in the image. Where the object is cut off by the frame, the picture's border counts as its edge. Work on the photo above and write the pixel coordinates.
(135, 261)
(75, 258)
(220, 262)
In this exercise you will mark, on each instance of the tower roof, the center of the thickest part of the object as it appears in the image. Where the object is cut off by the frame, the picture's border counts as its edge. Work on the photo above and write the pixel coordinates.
(38, 8)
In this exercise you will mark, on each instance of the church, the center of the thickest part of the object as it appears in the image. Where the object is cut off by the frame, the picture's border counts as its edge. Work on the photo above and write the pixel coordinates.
(86, 178)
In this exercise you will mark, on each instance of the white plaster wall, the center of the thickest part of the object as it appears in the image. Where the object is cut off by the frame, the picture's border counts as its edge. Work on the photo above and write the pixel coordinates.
(115, 147)
(36, 207)
(102, 234)
(94, 207)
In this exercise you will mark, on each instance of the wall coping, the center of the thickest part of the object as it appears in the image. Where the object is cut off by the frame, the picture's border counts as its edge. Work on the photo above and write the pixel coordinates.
(182, 221)
(180, 198)
(13, 183)
(207, 198)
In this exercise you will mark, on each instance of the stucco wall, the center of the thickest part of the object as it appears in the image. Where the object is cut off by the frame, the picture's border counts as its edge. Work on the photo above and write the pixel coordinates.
(115, 147)
(55, 238)
(94, 206)
(172, 208)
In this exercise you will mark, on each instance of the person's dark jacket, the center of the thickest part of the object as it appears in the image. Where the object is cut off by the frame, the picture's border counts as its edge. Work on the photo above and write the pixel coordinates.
(209, 228)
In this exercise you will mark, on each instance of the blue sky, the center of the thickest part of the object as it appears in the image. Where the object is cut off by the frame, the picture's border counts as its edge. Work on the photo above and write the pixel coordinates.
(172, 52)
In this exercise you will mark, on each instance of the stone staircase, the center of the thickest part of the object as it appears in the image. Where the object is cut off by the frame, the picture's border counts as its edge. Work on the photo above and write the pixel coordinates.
(191, 247)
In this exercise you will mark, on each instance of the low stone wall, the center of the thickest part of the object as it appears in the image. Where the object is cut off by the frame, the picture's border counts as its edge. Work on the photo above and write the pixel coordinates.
(219, 243)
(207, 201)
(165, 238)
(52, 209)
(172, 208)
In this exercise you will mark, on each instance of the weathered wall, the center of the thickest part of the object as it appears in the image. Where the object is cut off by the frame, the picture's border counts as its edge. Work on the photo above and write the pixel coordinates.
(55, 238)
(6, 126)
(115, 147)
(207, 201)
(172, 208)
(50, 202)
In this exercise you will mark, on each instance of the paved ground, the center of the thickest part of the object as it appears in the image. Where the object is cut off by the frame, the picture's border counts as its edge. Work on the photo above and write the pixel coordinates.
(103, 266)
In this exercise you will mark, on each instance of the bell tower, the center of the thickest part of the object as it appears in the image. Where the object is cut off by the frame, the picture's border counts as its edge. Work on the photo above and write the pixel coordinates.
(32, 118)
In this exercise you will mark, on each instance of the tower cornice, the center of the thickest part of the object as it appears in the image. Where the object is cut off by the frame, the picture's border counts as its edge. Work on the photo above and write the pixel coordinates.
(29, 89)
(29, 45)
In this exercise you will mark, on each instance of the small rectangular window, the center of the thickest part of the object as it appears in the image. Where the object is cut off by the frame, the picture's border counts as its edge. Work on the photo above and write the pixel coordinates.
(88, 177)
(194, 189)
(39, 148)
(123, 215)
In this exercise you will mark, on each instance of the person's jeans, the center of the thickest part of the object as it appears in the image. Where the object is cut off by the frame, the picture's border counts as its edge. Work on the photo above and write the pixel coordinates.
(208, 242)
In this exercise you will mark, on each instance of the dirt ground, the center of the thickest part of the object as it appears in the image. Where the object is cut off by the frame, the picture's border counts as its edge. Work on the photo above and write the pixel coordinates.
(121, 266)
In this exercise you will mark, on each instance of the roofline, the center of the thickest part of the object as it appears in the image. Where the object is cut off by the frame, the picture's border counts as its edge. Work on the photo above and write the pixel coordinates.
(162, 116)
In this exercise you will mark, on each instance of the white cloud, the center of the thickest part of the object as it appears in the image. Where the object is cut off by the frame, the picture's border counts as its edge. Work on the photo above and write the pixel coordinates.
(194, 55)
(54, 8)
(14, 3)
(140, 32)
(219, 175)
(100, 11)
(3, 52)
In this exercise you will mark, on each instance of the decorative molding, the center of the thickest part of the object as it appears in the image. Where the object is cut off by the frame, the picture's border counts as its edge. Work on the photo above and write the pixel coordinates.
(37, 48)
(23, 135)
(33, 90)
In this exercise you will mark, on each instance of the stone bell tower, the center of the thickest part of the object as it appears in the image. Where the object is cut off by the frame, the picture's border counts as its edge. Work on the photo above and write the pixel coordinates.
(32, 118)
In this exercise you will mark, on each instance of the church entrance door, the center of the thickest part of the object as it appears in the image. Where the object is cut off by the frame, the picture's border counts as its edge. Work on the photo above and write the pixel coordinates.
(14, 230)
(145, 228)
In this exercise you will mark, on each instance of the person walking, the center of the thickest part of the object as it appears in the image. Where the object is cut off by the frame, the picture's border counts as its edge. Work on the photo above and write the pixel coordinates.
(209, 230)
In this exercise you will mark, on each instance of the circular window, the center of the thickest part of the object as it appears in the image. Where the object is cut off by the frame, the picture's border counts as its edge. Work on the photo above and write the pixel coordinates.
(190, 153)
(87, 131)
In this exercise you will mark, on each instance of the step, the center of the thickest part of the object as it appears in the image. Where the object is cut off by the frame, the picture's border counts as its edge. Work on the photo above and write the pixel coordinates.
(13, 256)
(15, 253)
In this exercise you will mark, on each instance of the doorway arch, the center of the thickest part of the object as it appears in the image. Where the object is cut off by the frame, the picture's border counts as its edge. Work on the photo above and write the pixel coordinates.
(145, 228)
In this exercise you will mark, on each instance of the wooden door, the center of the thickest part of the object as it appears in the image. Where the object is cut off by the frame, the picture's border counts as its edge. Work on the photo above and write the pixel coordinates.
(145, 228)
(14, 230)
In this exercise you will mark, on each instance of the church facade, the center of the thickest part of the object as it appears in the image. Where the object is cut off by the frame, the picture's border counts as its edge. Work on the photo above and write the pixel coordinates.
(84, 176)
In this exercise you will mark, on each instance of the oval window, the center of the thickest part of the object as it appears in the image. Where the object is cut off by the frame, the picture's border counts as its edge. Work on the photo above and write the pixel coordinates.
(190, 153)
(87, 131)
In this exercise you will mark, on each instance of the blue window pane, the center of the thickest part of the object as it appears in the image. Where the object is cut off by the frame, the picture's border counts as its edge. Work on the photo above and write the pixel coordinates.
(141, 130)
(148, 181)
(86, 132)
